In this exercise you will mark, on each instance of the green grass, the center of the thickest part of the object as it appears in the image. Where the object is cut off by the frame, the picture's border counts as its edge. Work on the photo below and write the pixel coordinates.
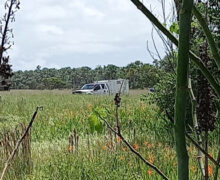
(63, 112)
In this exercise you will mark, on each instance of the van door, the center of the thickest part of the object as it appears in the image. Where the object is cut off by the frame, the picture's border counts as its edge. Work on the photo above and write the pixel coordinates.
(105, 89)
(98, 89)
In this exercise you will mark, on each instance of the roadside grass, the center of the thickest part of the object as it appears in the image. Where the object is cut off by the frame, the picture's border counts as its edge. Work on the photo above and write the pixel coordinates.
(104, 157)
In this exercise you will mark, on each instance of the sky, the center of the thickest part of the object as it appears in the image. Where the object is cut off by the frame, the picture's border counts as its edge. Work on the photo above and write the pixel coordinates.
(75, 33)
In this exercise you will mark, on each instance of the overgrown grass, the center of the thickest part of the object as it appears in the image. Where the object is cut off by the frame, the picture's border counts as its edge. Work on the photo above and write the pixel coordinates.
(63, 112)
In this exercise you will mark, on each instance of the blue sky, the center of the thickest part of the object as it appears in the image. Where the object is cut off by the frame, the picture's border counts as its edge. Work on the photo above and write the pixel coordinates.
(54, 33)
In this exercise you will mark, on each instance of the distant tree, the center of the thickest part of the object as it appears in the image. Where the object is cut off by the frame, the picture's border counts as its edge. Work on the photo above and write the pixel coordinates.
(140, 75)
(110, 71)
(53, 83)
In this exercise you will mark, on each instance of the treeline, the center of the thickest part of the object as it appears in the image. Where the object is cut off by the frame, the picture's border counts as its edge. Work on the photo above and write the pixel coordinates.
(140, 75)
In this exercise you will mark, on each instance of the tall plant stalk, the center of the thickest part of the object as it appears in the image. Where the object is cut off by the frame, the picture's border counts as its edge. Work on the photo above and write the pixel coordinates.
(182, 89)
(206, 159)
(218, 160)
(195, 122)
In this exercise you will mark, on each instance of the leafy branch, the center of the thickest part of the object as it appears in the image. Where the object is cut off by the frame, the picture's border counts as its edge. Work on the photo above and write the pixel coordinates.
(12, 6)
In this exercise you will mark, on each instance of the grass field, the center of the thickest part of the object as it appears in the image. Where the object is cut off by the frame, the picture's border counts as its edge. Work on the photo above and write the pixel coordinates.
(99, 155)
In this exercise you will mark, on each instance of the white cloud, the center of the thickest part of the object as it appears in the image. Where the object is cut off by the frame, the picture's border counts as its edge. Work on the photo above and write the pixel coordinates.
(93, 31)
(49, 29)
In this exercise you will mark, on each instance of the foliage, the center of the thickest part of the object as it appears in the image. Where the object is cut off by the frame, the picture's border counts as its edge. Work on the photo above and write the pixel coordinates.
(165, 93)
(163, 97)
(64, 112)
(174, 28)
(140, 75)
(95, 123)
(182, 75)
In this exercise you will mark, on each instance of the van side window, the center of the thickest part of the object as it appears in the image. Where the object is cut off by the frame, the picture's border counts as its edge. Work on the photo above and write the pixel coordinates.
(118, 82)
(97, 88)
(103, 86)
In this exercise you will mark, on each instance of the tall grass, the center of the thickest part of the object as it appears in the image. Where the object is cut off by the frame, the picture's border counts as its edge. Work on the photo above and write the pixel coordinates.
(105, 157)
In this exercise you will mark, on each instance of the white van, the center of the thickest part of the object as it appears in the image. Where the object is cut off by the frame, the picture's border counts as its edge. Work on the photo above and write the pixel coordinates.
(105, 87)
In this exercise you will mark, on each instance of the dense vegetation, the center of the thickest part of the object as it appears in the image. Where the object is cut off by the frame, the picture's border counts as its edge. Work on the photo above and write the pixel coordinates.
(147, 120)
(140, 75)
(106, 157)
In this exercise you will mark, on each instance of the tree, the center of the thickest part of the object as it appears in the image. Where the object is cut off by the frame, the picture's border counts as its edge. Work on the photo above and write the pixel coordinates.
(110, 71)
(6, 34)
(141, 75)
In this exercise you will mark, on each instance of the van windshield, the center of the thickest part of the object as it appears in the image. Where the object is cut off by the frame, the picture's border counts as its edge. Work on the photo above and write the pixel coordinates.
(88, 86)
